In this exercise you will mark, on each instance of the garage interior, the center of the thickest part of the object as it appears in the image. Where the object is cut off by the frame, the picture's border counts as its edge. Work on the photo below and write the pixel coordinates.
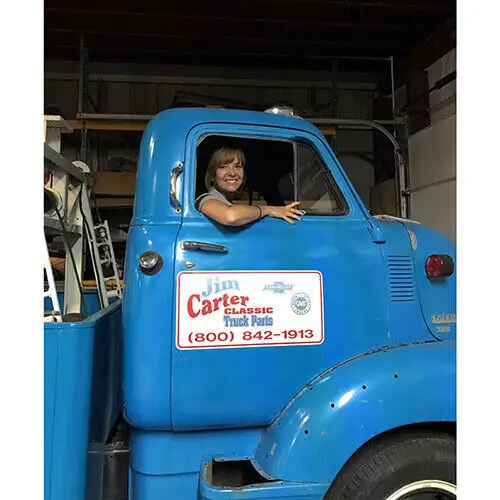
(110, 67)
(377, 77)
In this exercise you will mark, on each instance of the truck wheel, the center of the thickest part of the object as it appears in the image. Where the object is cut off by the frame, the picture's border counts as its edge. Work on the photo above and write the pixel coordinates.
(415, 465)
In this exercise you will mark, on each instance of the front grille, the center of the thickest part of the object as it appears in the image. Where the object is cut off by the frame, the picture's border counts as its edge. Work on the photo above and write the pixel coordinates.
(401, 283)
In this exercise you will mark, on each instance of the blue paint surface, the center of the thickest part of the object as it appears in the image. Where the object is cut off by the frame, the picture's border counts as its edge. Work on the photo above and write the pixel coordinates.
(72, 410)
(147, 322)
(248, 387)
(403, 305)
(164, 453)
(437, 297)
(348, 405)
(256, 403)
(174, 465)
(167, 464)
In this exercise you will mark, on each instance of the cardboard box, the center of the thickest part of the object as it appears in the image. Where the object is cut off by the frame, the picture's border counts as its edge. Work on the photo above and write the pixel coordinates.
(384, 198)
(115, 202)
(114, 184)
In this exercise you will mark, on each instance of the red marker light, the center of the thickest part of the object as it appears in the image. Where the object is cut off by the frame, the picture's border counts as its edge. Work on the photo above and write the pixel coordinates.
(439, 266)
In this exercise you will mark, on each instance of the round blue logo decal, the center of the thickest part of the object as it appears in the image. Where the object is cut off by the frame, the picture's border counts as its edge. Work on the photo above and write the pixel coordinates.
(301, 303)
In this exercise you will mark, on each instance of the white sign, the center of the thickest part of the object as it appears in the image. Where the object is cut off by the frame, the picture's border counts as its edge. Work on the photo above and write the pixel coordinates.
(249, 309)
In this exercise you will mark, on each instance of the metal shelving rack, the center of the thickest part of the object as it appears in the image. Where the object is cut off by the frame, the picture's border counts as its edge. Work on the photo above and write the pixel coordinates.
(68, 213)
(394, 129)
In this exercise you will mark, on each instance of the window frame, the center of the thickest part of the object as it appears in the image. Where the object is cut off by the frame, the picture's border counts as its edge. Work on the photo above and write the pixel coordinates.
(329, 178)
(355, 208)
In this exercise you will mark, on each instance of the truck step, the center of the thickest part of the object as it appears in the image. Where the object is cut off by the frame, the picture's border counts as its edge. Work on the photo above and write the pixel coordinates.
(239, 479)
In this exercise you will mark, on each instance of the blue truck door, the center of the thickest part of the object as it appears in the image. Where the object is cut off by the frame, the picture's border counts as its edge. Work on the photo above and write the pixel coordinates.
(254, 324)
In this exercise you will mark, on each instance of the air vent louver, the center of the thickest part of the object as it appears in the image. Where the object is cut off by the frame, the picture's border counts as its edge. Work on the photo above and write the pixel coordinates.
(401, 279)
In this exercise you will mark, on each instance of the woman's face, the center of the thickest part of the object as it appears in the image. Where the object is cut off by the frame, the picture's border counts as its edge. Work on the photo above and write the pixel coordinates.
(229, 176)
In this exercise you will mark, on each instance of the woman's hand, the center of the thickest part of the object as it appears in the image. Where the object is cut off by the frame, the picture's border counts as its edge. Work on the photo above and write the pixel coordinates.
(239, 215)
(288, 212)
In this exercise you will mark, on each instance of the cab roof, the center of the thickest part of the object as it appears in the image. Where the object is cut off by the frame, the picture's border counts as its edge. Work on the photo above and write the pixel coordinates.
(181, 120)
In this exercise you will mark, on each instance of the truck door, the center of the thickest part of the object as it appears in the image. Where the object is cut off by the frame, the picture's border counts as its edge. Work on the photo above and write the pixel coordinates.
(263, 309)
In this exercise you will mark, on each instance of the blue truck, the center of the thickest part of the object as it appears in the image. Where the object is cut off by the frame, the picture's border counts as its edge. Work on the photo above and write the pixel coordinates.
(313, 360)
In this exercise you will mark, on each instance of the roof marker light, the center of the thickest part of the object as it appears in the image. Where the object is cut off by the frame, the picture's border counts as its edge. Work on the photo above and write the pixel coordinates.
(282, 110)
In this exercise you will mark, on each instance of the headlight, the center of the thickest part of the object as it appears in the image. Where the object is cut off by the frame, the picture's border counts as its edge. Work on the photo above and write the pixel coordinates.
(150, 262)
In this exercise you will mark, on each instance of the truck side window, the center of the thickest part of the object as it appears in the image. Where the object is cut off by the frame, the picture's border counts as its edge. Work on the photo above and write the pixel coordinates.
(316, 188)
(271, 170)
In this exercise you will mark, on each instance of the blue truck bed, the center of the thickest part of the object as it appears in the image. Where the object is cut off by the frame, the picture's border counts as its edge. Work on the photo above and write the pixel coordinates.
(82, 365)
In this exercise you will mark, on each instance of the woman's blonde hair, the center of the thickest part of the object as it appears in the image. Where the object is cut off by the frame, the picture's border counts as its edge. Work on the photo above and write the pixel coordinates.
(220, 157)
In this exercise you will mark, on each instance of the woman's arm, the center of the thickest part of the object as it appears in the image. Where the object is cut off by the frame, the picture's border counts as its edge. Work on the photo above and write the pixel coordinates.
(239, 215)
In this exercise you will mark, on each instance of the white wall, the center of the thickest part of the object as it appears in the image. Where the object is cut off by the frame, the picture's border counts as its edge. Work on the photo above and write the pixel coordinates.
(432, 156)
(350, 147)
(442, 102)
(433, 168)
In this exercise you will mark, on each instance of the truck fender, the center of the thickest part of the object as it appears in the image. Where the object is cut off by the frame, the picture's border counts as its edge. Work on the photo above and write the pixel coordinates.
(350, 403)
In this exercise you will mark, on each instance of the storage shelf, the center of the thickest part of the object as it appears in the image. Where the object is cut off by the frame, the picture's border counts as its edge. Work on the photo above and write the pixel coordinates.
(62, 163)
(53, 226)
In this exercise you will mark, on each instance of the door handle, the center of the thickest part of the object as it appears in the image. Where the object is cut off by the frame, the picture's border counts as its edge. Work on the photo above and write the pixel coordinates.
(174, 199)
(205, 247)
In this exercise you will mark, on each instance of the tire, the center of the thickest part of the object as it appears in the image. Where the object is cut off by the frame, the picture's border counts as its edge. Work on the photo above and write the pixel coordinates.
(388, 468)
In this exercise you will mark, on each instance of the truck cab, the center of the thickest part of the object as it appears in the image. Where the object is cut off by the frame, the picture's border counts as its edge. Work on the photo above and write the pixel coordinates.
(272, 360)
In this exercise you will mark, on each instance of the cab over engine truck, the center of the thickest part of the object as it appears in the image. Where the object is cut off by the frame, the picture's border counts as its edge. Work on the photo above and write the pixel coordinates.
(310, 360)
